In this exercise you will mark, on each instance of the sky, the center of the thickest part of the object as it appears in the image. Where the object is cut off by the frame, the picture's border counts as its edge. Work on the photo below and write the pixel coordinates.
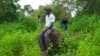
(34, 3)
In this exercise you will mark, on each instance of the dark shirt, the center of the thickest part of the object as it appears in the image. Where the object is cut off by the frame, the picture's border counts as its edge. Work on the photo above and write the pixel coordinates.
(64, 21)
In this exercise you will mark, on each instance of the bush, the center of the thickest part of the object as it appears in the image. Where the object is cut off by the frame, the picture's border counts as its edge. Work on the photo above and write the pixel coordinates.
(28, 22)
(82, 37)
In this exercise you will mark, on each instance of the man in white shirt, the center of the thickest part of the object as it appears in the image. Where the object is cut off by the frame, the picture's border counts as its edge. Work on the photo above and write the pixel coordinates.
(44, 36)
(50, 18)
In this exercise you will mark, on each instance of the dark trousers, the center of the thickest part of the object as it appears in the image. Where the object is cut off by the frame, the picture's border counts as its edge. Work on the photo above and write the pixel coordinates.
(64, 26)
(44, 39)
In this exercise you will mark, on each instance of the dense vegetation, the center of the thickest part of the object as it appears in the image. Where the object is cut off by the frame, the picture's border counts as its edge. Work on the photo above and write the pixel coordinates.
(82, 38)
(19, 33)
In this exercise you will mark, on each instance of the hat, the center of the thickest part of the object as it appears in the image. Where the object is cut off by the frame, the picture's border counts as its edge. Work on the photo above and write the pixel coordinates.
(48, 9)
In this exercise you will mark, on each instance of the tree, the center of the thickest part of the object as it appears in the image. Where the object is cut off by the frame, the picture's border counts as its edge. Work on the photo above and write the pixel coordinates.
(81, 6)
(7, 11)
(59, 11)
(68, 4)
(28, 8)
(90, 6)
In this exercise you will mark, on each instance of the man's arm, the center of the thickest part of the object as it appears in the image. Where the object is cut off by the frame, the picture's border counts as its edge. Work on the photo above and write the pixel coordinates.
(49, 27)
(51, 23)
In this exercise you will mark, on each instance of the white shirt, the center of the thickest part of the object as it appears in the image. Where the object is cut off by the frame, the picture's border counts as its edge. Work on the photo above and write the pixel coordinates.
(49, 19)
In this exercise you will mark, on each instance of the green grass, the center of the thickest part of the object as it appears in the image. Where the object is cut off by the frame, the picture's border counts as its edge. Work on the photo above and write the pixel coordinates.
(82, 38)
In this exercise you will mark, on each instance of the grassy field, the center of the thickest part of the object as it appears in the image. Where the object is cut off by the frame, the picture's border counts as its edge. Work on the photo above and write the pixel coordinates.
(82, 38)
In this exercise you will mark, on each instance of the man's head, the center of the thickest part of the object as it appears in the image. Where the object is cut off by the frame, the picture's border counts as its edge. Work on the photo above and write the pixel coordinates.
(48, 10)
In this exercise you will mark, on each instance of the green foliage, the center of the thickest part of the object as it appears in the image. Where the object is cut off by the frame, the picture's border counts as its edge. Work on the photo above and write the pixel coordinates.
(7, 11)
(83, 7)
(59, 11)
(18, 42)
(40, 12)
(29, 24)
(81, 38)
(91, 6)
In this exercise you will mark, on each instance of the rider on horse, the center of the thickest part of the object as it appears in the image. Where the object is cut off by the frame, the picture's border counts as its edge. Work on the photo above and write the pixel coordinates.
(44, 38)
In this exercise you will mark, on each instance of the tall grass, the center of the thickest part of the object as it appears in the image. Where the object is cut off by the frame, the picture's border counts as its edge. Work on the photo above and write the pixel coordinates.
(82, 38)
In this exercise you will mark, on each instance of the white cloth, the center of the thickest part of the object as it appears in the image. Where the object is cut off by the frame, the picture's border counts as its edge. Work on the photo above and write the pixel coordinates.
(49, 19)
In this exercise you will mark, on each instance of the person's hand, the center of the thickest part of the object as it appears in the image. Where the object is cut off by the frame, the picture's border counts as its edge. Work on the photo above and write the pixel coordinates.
(51, 25)
(46, 28)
